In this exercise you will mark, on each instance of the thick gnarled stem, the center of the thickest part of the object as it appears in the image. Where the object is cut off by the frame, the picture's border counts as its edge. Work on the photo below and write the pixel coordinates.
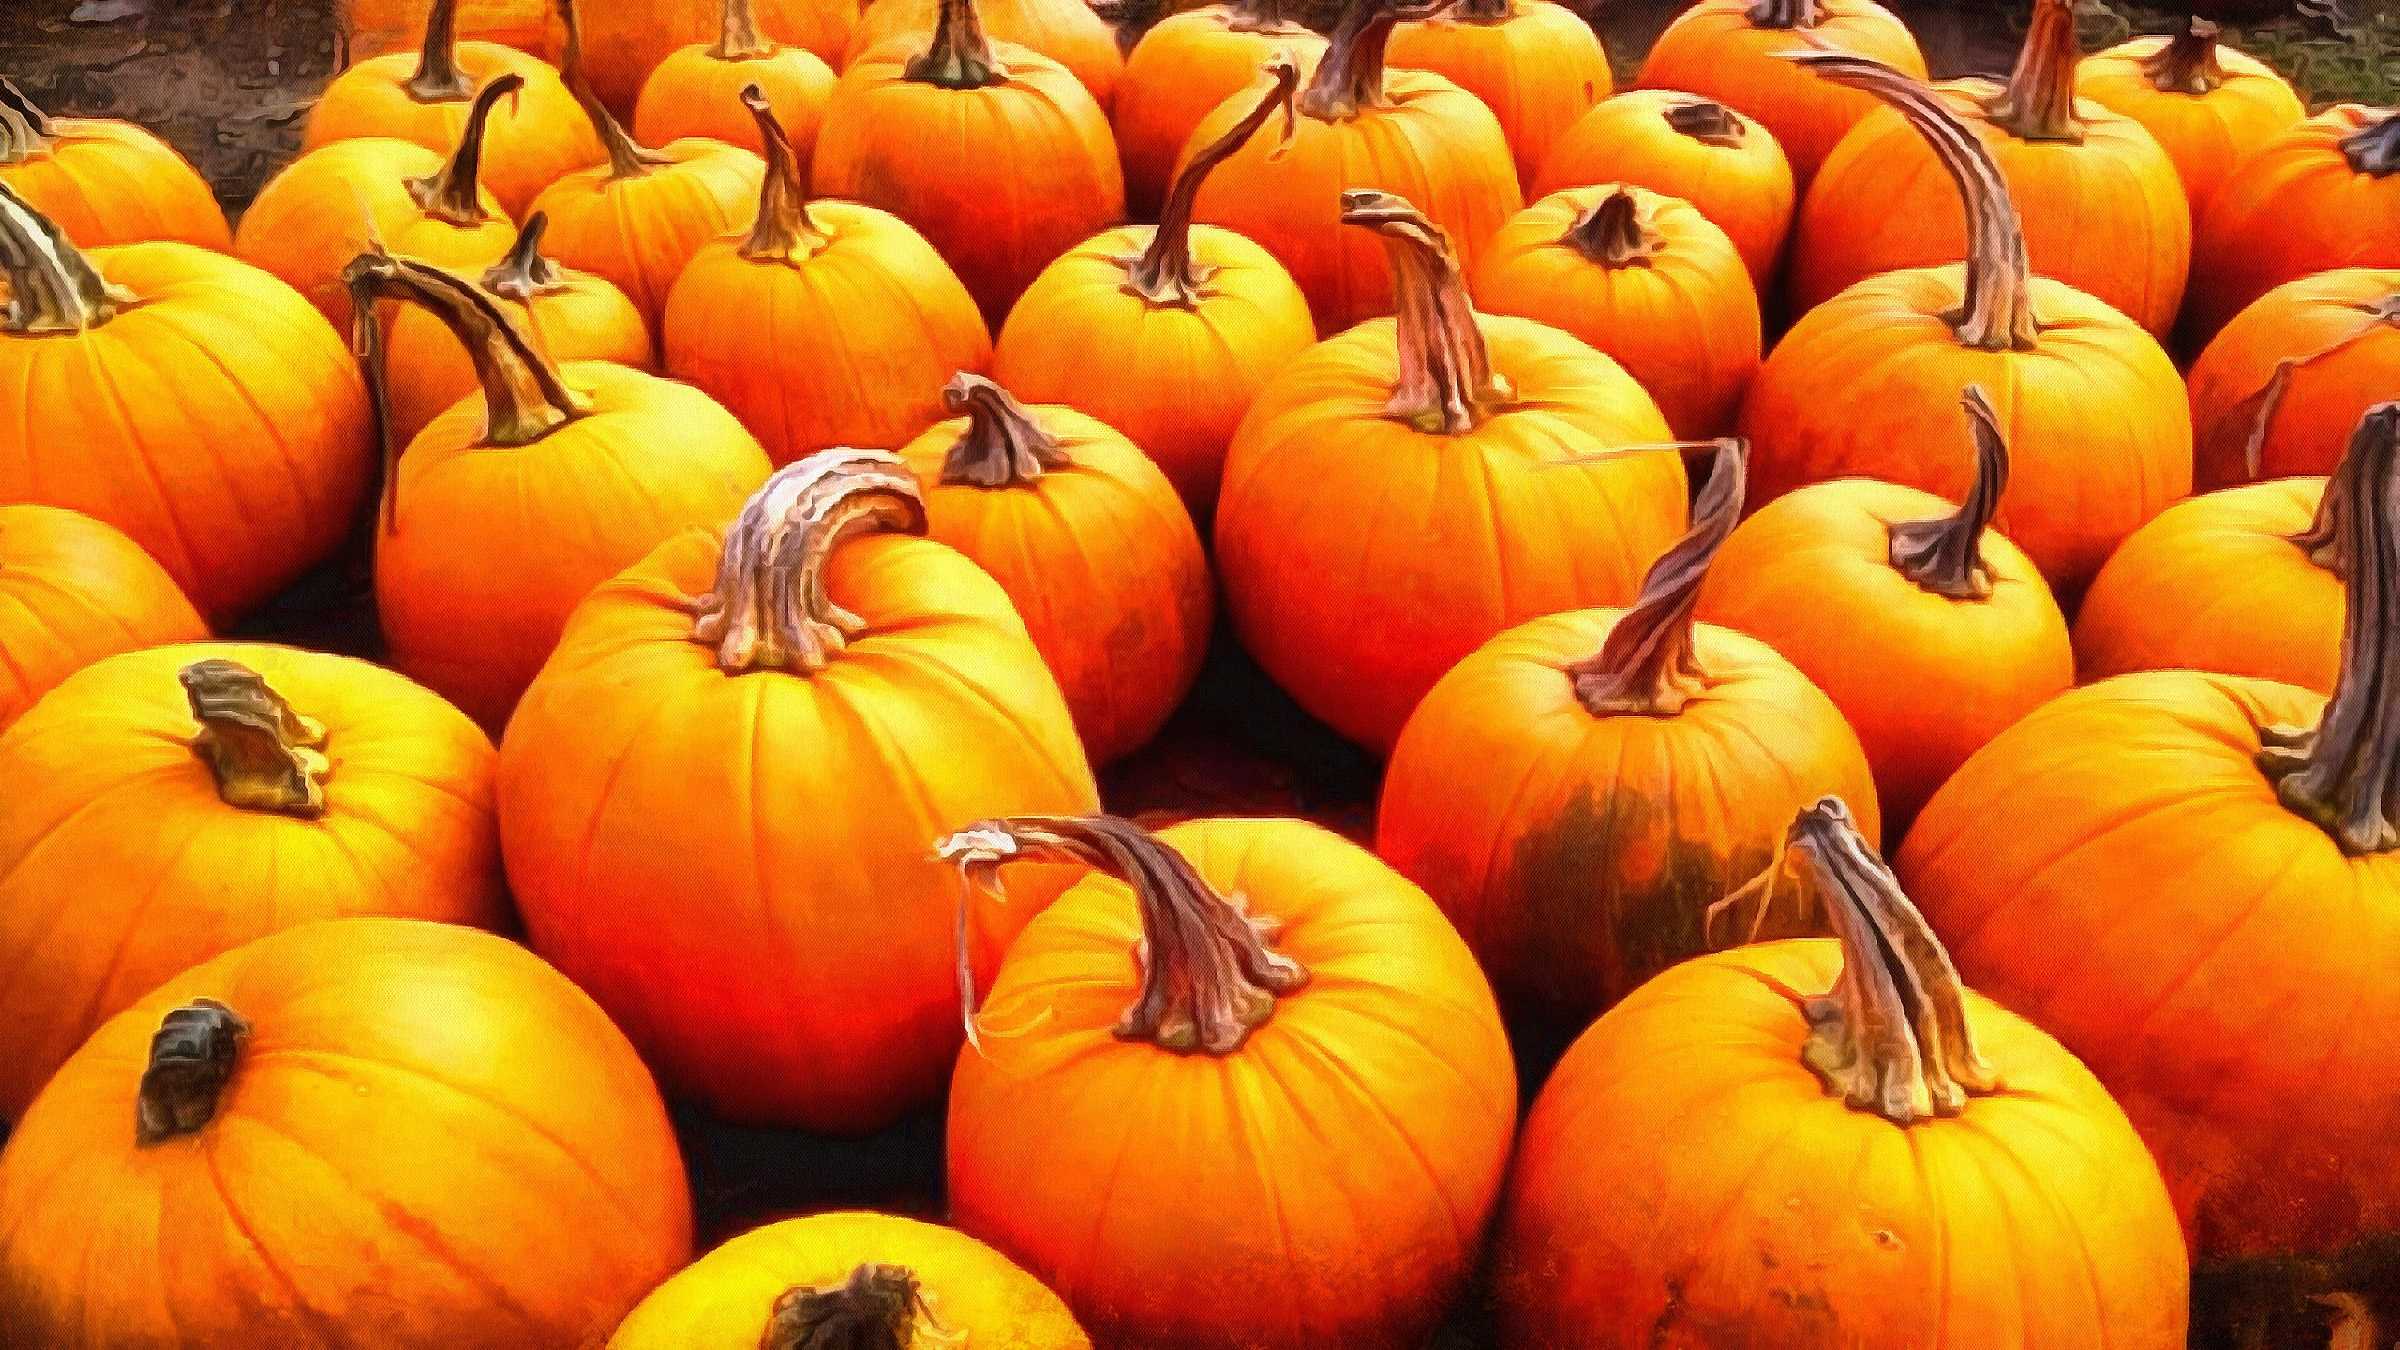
(438, 78)
(738, 35)
(2375, 148)
(1613, 234)
(878, 1307)
(2038, 103)
(1706, 121)
(52, 287)
(24, 127)
(627, 157)
(784, 229)
(1166, 274)
(191, 1060)
(2187, 62)
(524, 273)
(1349, 77)
(264, 755)
(1945, 556)
(2328, 540)
(959, 56)
(1447, 386)
(769, 609)
(450, 193)
(1801, 14)
(1002, 446)
(1645, 667)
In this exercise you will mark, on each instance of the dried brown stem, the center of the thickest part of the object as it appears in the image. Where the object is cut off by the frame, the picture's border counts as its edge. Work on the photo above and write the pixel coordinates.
(2375, 148)
(878, 1307)
(1945, 556)
(451, 193)
(2038, 102)
(524, 273)
(1002, 446)
(1349, 76)
(1613, 233)
(1786, 13)
(24, 127)
(1447, 386)
(52, 287)
(1645, 666)
(438, 78)
(769, 609)
(1166, 274)
(738, 35)
(264, 755)
(2187, 62)
(959, 56)
(1706, 121)
(784, 229)
(191, 1060)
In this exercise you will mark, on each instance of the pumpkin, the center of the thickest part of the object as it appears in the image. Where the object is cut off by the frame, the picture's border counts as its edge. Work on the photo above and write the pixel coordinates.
(371, 28)
(1177, 74)
(1069, 32)
(1931, 631)
(2187, 878)
(169, 804)
(1577, 792)
(1682, 145)
(104, 181)
(1410, 133)
(317, 214)
(863, 320)
(1732, 1157)
(357, 1132)
(1401, 492)
(2322, 195)
(1091, 544)
(628, 41)
(427, 97)
(741, 804)
(1538, 66)
(72, 591)
(1237, 1054)
(1733, 51)
(893, 1281)
(1645, 279)
(697, 90)
(2278, 391)
(1165, 333)
(577, 317)
(948, 139)
(2208, 105)
(247, 403)
(507, 509)
(2093, 411)
(2101, 205)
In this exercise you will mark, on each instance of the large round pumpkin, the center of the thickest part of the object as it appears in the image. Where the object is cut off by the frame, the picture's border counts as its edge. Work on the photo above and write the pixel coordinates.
(2322, 195)
(147, 364)
(743, 804)
(104, 181)
(76, 590)
(2279, 390)
(1681, 145)
(1181, 69)
(697, 90)
(1238, 1054)
(365, 1132)
(2208, 105)
(1538, 66)
(1819, 1143)
(1404, 491)
(168, 804)
(629, 40)
(1069, 32)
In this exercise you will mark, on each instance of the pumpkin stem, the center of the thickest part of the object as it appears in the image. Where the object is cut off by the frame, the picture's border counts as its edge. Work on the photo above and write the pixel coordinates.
(959, 56)
(449, 193)
(24, 127)
(524, 273)
(438, 78)
(265, 755)
(1447, 385)
(1349, 76)
(627, 157)
(1786, 13)
(1645, 667)
(2268, 399)
(1997, 313)
(1260, 16)
(2327, 540)
(191, 1061)
(878, 1307)
(1208, 976)
(2344, 773)
(1002, 446)
(738, 36)
(1706, 121)
(2038, 102)
(784, 230)
(1480, 11)
(52, 287)
(2375, 148)
(769, 609)
(1945, 556)
(1166, 274)
(1613, 234)
(2187, 63)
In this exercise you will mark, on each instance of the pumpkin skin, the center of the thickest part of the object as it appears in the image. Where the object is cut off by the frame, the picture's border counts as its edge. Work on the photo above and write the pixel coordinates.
(105, 181)
(721, 1301)
(430, 1103)
(1717, 50)
(1538, 66)
(2294, 208)
(76, 590)
(627, 42)
(2339, 332)
(1371, 1113)
(638, 230)
(104, 767)
(1069, 32)
(1680, 145)
(697, 90)
(2208, 106)
(1177, 74)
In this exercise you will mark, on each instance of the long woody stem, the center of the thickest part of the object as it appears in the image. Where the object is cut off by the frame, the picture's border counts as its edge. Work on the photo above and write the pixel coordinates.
(738, 36)
(52, 287)
(1166, 274)
(191, 1060)
(2187, 62)
(24, 127)
(1002, 446)
(1786, 13)
(1945, 556)
(2328, 540)
(783, 229)
(438, 78)
(1645, 666)
(959, 56)
(627, 158)
(264, 755)
(769, 609)
(1349, 76)
(452, 193)
(2038, 103)
(1447, 386)
(1612, 234)
(878, 1307)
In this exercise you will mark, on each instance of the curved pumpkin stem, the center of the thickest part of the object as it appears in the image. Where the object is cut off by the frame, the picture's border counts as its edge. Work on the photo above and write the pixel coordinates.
(191, 1060)
(438, 78)
(1945, 556)
(2344, 773)
(1706, 121)
(1002, 446)
(627, 157)
(1998, 312)
(24, 127)
(1447, 385)
(1349, 76)
(52, 287)
(524, 273)
(2375, 148)
(1613, 234)
(1209, 977)
(264, 754)
(450, 193)
(959, 56)
(2187, 63)
(2268, 399)
(738, 35)
(879, 1307)
(1801, 14)
(1645, 667)
(2038, 103)
(769, 609)
(784, 229)
(1165, 274)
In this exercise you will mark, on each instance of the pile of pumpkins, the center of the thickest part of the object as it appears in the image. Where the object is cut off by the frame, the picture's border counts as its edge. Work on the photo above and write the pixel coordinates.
(778, 506)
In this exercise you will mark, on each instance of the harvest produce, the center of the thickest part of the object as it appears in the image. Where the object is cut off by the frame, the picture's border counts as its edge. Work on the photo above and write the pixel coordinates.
(697, 90)
(73, 590)
(1066, 31)
(2278, 391)
(2208, 105)
(629, 41)
(103, 181)
(1179, 72)
(1535, 64)
(1682, 145)
(2322, 195)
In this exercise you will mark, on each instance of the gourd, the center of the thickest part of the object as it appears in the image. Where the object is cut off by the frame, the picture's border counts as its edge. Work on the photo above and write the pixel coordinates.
(2279, 390)
(628, 41)
(2208, 105)
(1538, 66)
(1681, 145)
(697, 90)
(1180, 70)
(1069, 32)
(104, 181)
(2319, 196)
(76, 590)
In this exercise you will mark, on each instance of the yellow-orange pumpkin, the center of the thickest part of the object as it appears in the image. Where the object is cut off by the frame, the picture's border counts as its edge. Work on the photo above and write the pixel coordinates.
(629, 40)
(697, 90)
(104, 181)
(1538, 66)
(1181, 69)
(2278, 391)
(2322, 195)
(1682, 145)
(371, 28)
(73, 590)
(1069, 32)
(2208, 105)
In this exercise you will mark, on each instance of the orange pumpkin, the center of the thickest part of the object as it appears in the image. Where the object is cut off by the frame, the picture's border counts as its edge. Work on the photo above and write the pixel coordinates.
(1578, 792)
(1927, 628)
(74, 590)
(104, 181)
(1643, 278)
(741, 805)
(1682, 145)
(1400, 493)
(1223, 1022)
(169, 804)
(361, 1132)
(1069, 32)
(697, 90)
(2092, 409)
(864, 320)
(507, 509)
(2208, 105)
(628, 41)
(371, 28)
(428, 97)
(2189, 878)
(1732, 1157)
(1165, 333)
(1177, 74)
(1538, 66)
(1410, 133)
(894, 1281)
(2278, 390)
(2322, 195)
(1733, 50)
(247, 403)
(948, 137)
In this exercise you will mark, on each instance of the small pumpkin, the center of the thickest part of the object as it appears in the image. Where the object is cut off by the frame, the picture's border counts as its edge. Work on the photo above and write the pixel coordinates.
(1731, 1157)
(1069, 32)
(104, 181)
(1229, 1020)
(697, 90)
(1165, 333)
(862, 319)
(169, 804)
(1645, 279)
(891, 1281)
(1538, 66)
(741, 802)
(76, 590)
(359, 1132)
(628, 41)
(2319, 196)
(1180, 70)
(2278, 391)
(2208, 105)
(1403, 491)
(1681, 145)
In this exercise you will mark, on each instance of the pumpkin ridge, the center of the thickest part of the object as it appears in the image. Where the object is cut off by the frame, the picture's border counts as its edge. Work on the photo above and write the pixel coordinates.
(239, 1218)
